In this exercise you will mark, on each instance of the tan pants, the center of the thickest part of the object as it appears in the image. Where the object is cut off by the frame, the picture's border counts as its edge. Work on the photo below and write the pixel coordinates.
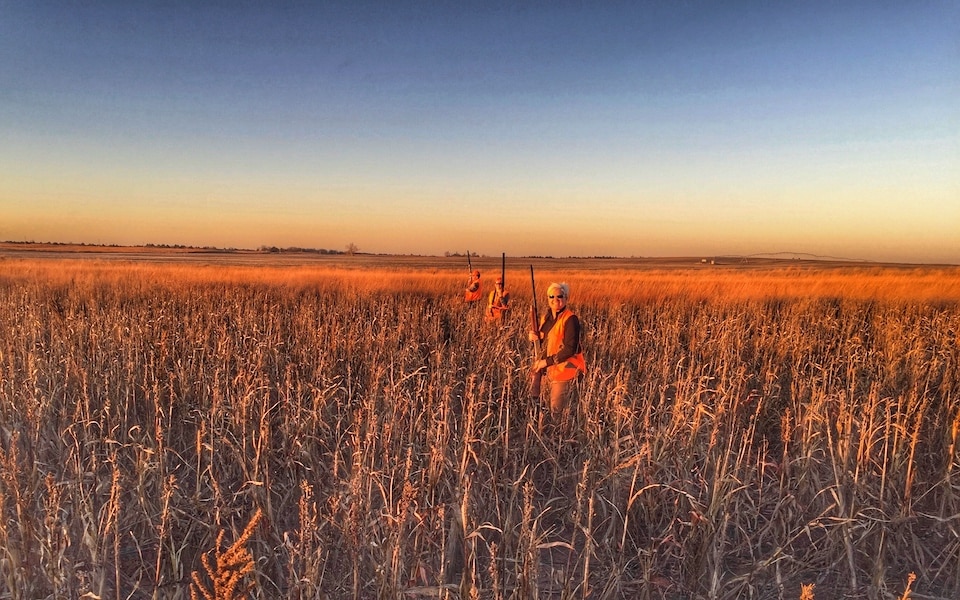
(562, 395)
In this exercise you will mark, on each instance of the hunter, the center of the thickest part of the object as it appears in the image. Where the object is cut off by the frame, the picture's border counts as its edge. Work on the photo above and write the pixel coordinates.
(473, 293)
(561, 357)
(498, 303)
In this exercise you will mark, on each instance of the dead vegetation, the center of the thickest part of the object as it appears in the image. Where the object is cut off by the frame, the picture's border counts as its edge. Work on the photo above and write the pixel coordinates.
(739, 435)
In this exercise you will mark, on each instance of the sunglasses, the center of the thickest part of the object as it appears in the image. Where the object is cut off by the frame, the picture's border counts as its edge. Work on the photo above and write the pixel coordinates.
(558, 296)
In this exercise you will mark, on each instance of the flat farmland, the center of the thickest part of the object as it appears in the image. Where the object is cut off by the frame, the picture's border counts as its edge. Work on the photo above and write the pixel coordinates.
(746, 428)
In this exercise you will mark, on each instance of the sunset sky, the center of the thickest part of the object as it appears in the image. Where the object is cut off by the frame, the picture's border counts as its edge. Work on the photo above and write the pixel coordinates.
(550, 128)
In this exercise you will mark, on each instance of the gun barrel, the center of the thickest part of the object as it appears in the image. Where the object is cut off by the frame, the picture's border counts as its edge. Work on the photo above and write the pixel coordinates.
(535, 314)
(503, 270)
(535, 377)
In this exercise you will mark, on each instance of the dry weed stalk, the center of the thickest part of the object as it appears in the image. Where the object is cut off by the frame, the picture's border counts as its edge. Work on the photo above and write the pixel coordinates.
(906, 590)
(227, 570)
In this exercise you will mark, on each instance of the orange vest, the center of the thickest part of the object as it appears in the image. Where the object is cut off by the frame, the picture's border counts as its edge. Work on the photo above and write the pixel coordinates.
(569, 368)
(497, 304)
(473, 296)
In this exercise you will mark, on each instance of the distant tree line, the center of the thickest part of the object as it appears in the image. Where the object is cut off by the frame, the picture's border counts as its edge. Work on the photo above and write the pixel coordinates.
(449, 254)
(350, 249)
(184, 247)
(292, 249)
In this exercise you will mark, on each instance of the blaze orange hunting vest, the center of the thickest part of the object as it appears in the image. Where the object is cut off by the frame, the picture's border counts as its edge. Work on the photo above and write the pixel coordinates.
(473, 296)
(569, 368)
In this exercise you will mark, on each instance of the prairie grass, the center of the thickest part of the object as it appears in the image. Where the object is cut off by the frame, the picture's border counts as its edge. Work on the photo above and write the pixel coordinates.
(739, 434)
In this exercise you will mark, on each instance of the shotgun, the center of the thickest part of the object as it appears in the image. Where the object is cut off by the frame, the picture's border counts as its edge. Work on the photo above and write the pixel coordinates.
(503, 270)
(535, 376)
(472, 292)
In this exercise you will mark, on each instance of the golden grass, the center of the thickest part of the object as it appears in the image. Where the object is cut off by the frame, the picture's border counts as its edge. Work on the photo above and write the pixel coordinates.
(740, 433)
(593, 285)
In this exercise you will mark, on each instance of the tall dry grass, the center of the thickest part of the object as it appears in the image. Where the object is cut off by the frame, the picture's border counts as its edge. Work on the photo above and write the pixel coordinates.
(739, 434)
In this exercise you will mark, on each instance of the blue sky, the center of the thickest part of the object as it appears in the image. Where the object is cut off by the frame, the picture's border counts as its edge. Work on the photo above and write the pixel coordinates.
(558, 128)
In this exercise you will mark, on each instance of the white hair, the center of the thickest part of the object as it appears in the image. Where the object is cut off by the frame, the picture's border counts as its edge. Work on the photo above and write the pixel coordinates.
(563, 287)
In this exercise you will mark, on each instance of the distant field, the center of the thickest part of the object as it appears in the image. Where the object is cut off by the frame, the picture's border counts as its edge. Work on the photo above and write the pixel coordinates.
(602, 280)
(491, 263)
(743, 430)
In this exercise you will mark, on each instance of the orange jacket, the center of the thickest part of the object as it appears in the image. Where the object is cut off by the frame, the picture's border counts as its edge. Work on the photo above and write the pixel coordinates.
(473, 292)
(569, 368)
(497, 304)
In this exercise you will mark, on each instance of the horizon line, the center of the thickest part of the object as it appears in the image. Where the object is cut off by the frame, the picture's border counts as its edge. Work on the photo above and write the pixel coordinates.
(783, 255)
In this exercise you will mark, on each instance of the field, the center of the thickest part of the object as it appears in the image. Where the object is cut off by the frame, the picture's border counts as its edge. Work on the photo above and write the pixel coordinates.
(744, 430)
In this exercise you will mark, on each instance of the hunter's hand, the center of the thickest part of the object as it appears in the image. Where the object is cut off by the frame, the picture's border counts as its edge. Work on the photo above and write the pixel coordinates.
(539, 365)
(533, 336)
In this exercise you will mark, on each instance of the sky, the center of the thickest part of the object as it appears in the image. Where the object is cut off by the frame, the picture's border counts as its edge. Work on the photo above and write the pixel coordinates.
(674, 128)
